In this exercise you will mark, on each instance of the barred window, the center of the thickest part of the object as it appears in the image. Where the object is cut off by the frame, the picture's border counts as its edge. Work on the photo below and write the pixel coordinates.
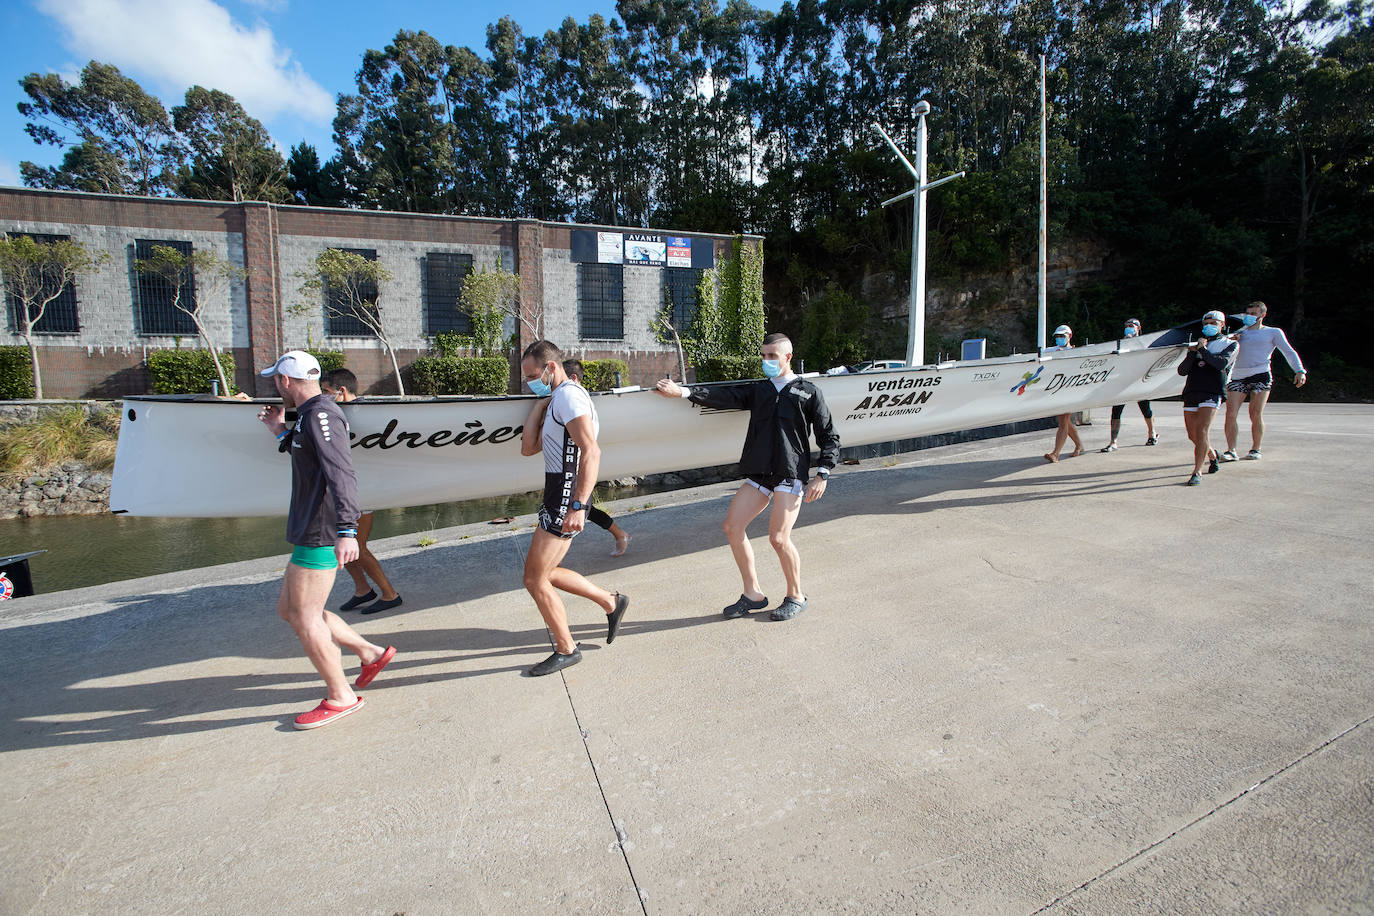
(444, 273)
(601, 301)
(340, 318)
(156, 313)
(60, 315)
(680, 286)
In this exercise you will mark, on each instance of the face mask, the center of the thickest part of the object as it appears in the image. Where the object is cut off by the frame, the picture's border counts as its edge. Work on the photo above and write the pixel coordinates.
(772, 368)
(1248, 320)
(1129, 332)
(1210, 330)
(1061, 341)
(539, 386)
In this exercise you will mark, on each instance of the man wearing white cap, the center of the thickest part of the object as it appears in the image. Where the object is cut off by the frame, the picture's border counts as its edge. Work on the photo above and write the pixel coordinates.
(322, 524)
(1062, 337)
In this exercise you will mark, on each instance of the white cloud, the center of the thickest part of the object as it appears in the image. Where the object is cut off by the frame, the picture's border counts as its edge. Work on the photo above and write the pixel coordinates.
(181, 43)
(9, 174)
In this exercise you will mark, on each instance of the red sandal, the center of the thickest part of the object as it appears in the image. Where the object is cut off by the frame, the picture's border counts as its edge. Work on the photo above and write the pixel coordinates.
(325, 713)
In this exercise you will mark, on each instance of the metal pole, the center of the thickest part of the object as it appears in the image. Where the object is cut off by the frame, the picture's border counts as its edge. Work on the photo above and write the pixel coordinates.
(916, 314)
(1044, 219)
(916, 311)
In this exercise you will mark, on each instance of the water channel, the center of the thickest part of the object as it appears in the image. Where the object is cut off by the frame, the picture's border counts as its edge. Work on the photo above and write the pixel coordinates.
(94, 549)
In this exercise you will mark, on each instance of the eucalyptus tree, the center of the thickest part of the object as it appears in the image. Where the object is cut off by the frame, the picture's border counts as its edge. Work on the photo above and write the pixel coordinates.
(118, 138)
(231, 156)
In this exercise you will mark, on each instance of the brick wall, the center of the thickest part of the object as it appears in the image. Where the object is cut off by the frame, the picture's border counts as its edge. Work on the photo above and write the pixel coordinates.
(274, 246)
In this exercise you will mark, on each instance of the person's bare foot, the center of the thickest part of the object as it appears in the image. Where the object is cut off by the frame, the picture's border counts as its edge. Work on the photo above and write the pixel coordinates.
(1051, 458)
(622, 544)
(1075, 453)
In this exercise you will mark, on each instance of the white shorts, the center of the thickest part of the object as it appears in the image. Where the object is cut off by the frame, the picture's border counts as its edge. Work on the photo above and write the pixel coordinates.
(770, 485)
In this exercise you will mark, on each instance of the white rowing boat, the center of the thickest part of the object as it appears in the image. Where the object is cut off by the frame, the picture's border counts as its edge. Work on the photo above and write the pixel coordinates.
(206, 457)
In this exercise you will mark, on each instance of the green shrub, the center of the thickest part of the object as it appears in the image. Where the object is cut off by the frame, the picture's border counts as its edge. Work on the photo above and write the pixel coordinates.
(451, 343)
(729, 369)
(16, 373)
(600, 373)
(187, 371)
(329, 360)
(488, 375)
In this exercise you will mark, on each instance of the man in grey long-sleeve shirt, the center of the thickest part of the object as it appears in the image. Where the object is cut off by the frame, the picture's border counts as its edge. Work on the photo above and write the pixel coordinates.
(322, 525)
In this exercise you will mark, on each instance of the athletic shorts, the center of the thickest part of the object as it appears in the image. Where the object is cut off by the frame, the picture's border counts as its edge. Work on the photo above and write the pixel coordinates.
(1252, 383)
(1194, 401)
(315, 557)
(558, 495)
(1146, 410)
(768, 484)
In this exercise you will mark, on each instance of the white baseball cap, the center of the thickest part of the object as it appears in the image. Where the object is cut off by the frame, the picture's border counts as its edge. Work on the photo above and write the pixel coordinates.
(295, 364)
(1063, 329)
(1215, 315)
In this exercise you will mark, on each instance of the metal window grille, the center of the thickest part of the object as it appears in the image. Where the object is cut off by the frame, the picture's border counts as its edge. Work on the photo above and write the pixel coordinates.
(444, 273)
(60, 316)
(680, 283)
(340, 318)
(156, 313)
(601, 301)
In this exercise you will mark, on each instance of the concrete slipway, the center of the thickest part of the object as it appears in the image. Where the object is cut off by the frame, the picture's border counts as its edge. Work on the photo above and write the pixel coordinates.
(1019, 688)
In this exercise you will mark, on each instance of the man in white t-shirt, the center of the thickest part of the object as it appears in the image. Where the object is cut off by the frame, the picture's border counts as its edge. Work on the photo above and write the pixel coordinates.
(1252, 377)
(563, 425)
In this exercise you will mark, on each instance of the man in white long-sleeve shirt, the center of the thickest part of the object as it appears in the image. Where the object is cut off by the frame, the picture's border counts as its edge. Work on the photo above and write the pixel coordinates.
(1252, 377)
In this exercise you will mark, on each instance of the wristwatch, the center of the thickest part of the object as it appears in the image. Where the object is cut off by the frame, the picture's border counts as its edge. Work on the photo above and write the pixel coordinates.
(575, 505)
(824, 473)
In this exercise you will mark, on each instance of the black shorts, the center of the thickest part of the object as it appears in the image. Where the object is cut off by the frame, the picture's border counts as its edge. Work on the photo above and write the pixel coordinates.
(1194, 400)
(1262, 381)
(558, 496)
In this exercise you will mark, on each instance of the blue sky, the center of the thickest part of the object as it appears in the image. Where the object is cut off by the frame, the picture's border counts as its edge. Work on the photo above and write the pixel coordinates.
(285, 61)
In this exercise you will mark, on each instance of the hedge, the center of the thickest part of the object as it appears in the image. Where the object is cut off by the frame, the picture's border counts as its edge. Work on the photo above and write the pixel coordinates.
(187, 371)
(729, 369)
(599, 374)
(16, 373)
(329, 360)
(488, 375)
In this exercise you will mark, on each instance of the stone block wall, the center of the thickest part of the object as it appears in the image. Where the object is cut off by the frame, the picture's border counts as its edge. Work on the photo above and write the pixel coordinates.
(253, 316)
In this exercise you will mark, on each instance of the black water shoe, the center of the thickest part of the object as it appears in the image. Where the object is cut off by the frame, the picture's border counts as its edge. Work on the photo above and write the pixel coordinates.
(789, 608)
(555, 662)
(743, 606)
(358, 601)
(381, 604)
(613, 618)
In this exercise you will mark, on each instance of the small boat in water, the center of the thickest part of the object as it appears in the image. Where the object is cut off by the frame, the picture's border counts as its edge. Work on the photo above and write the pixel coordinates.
(201, 456)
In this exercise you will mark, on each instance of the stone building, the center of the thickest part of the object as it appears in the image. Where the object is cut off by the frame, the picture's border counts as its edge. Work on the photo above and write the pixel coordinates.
(598, 287)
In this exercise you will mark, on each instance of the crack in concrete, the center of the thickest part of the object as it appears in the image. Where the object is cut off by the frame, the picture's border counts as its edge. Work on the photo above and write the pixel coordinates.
(620, 835)
(1202, 817)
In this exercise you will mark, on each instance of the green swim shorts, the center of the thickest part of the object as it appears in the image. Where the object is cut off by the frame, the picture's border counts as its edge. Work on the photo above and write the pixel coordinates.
(314, 557)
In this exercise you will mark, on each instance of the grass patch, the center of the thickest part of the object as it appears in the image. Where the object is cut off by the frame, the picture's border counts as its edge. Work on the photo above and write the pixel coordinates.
(426, 541)
(68, 434)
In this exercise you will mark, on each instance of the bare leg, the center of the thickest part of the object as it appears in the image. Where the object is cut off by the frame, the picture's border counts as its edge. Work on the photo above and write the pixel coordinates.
(747, 504)
(622, 539)
(1231, 424)
(786, 508)
(1116, 430)
(355, 569)
(1061, 434)
(543, 580)
(367, 563)
(1073, 434)
(301, 604)
(1257, 402)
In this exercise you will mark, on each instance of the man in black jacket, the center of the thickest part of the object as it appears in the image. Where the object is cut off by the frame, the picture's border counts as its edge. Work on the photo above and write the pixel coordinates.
(784, 412)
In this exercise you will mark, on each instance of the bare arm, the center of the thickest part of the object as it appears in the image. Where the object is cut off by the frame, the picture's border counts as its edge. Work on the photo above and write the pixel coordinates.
(534, 423)
(582, 432)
